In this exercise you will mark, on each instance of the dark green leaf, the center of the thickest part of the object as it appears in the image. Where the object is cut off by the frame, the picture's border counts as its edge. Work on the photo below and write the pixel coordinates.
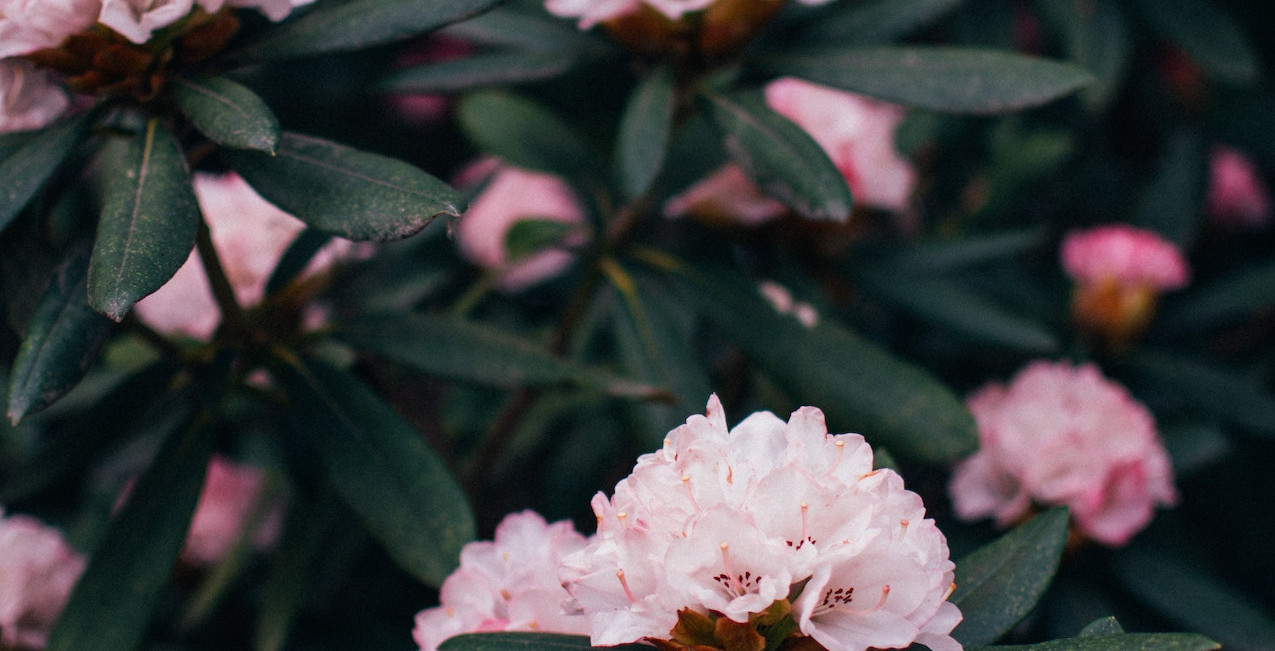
(1221, 392)
(346, 192)
(997, 585)
(309, 528)
(942, 79)
(381, 467)
(295, 258)
(525, 642)
(475, 352)
(148, 222)
(645, 129)
(346, 25)
(479, 71)
(30, 159)
(1096, 37)
(524, 134)
(1195, 445)
(1170, 204)
(875, 23)
(1120, 642)
(62, 341)
(529, 28)
(1207, 34)
(1189, 597)
(860, 387)
(780, 157)
(110, 608)
(1104, 626)
(529, 236)
(1220, 302)
(945, 302)
(966, 252)
(227, 112)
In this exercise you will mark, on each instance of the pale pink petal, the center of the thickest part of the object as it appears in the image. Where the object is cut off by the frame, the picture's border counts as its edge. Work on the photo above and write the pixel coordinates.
(1130, 256)
(29, 96)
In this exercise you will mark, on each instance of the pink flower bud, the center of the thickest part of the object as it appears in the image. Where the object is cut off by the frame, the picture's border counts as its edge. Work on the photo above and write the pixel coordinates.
(1237, 195)
(1127, 255)
(37, 572)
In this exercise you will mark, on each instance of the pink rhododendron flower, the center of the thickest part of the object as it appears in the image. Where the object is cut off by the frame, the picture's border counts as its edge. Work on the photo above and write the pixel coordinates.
(137, 19)
(1059, 434)
(1130, 256)
(511, 195)
(30, 25)
(592, 12)
(250, 236)
(231, 496)
(37, 571)
(857, 134)
(29, 97)
(724, 523)
(1236, 192)
(509, 584)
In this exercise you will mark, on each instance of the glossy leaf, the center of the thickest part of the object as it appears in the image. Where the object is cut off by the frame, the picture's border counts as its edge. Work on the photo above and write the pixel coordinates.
(29, 161)
(1207, 34)
(859, 386)
(525, 642)
(937, 78)
(997, 585)
(1096, 37)
(946, 303)
(966, 252)
(875, 23)
(1104, 626)
(527, 135)
(645, 129)
(353, 25)
(479, 71)
(380, 467)
(296, 258)
(1170, 204)
(148, 222)
(1119, 642)
(309, 526)
(780, 157)
(227, 112)
(1225, 394)
(1220, 302)
(346, 192)
(529, 28)
(62, 341)
(529, 236)
(110, 608)
(476, 352)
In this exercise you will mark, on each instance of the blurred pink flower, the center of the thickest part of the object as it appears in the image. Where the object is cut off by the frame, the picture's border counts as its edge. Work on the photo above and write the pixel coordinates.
(424, 109)
(137, 19)
(780, 297)
(1064, 435)
(231, 495)
(1130, 256)
(509, 584)
(592, 12)
(512, 194)
(29, 97)
(250, 236)
(1236, 193)
(37, 572)
(30, 25)
(725, 522)
(857, 134)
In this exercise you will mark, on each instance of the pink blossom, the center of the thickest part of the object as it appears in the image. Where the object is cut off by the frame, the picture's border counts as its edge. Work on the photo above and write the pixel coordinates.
(781, 299)
(30, 25)
(1060, 434)
(592, 12)
(509, 584)
(231, 497)
(1131, 257)
(423, 109)
(137, 19)
(250, 236)
(857, 134)
(37, 572)
(726, 522)
(1236, 192)
(29, 97)
(512, 194)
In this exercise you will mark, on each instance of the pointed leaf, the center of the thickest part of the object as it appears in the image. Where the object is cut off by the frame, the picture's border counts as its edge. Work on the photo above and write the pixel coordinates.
(147, 228)
(27, 162)
(860, 387)
(997, 585)
(1218, 391)
(296, 258)
(645, 128)
(227, 112)
(780, 157)
(1207, 34)
(527, 27)
(1220, 302)
(346, 192)
(479, 71)
(875, 23)
(526, 642)
(352, 25)
(942, 79)
(62, 341)
(110, 608)
(966, 252)
(381, 468)
(525, 134)
(474, 352)
(1119, 642)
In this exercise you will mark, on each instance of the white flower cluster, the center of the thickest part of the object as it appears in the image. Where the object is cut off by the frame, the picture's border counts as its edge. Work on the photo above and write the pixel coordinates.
(768, 517)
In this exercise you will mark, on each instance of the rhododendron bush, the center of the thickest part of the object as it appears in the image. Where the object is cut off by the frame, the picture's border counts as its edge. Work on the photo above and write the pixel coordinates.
(550, 325)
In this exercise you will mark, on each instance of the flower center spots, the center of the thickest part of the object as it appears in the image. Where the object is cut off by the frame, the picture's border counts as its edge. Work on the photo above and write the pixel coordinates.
(805, 536)
(739, 584)
(840, 599)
